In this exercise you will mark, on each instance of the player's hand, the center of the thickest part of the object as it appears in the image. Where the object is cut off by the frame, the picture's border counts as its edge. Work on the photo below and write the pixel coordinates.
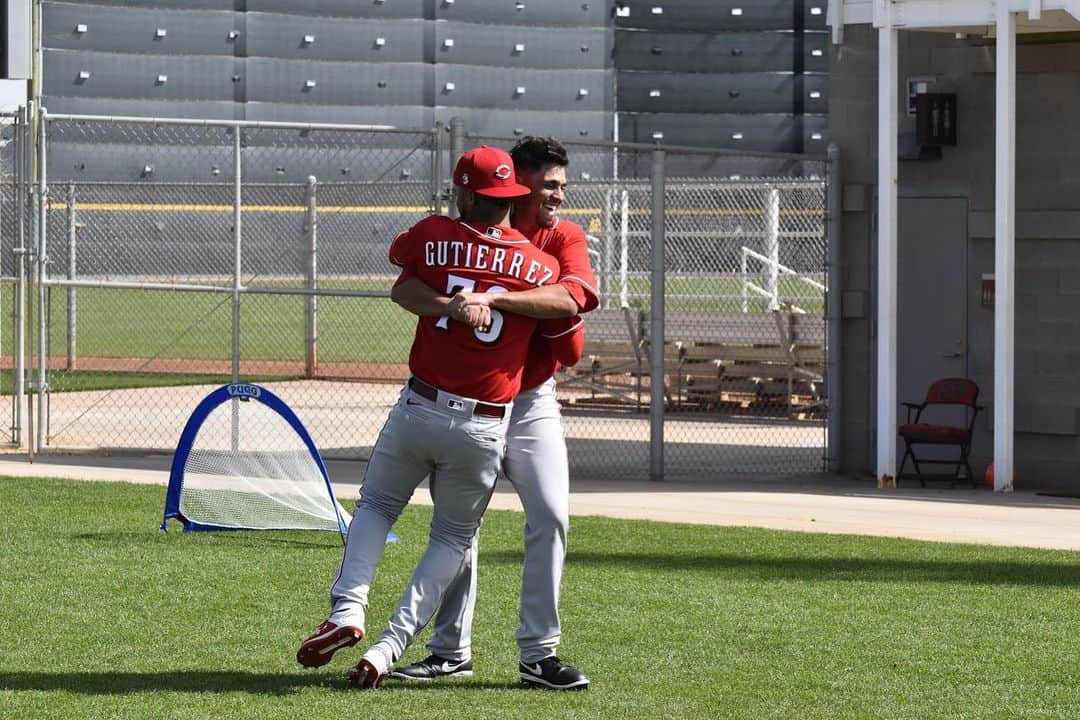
(475, 316)
(465, 298)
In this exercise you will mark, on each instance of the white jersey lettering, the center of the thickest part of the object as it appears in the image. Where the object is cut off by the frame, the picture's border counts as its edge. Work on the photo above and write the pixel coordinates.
(531, 275)
(479, 256)
(515, 264)
(498, 259)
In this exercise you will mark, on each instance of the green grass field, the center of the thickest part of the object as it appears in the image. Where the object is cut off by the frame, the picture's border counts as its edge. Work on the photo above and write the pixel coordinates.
(103, 616)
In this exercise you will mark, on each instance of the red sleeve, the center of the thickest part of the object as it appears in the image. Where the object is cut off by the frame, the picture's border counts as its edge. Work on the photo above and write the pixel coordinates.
(400, 253)
(571, 249)
(565, 338)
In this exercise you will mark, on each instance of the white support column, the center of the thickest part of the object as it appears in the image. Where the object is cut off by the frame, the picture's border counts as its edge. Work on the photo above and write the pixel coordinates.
(834, 17)
(1004, 248)
(888, 92)
(1034, 9)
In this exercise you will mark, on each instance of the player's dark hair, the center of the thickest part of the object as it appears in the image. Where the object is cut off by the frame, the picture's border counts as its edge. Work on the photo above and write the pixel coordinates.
(533, 153)
(488, 209)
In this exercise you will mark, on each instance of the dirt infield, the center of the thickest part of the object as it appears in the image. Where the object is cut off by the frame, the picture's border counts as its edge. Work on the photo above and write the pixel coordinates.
(344, 419)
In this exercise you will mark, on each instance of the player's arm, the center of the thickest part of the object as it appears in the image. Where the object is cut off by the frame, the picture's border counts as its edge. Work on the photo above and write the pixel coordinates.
(419, 298)
(544, 302)
(575, 292)
(575, 271)
(565, 338)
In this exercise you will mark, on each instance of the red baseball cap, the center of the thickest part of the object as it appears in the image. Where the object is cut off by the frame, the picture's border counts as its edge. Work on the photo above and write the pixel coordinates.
(488, 171)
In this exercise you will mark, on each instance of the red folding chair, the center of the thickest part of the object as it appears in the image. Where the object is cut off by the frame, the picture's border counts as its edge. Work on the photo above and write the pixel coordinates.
(956, 392)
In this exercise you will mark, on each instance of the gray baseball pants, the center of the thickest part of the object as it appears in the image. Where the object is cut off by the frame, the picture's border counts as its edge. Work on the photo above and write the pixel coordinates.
(462, 452)
(537, 467)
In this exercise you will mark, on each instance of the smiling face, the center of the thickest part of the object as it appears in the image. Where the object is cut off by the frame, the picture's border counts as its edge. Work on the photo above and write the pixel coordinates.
(548, 185)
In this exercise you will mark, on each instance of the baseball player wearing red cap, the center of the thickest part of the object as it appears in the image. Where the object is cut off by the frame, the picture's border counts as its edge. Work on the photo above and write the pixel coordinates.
(446, 424)
(536, 459)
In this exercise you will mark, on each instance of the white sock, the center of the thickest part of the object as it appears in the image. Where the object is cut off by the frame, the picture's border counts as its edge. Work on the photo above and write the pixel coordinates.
(380, 658)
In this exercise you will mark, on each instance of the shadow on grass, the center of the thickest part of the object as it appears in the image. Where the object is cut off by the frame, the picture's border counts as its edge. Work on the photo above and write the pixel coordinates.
(121, 683)
(965, 572)
(243, 538)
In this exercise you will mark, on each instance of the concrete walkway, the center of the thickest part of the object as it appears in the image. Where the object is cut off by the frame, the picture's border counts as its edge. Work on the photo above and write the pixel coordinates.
(811, 504)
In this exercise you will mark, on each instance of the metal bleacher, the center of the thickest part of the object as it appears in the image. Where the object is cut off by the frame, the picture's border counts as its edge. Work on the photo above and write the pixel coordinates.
(711, 362)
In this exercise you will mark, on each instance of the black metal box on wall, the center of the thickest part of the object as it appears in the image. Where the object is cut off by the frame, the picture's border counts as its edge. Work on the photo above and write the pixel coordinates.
(935, 119)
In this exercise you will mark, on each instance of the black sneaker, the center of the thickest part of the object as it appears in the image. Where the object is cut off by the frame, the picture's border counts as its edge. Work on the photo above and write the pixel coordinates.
(553, 674)
(433, 667)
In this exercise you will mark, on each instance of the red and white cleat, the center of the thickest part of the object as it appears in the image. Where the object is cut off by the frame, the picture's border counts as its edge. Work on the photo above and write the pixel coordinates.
(319, 648)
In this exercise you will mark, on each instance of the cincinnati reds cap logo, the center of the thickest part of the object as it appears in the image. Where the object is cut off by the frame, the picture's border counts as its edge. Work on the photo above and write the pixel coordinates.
(503, 172)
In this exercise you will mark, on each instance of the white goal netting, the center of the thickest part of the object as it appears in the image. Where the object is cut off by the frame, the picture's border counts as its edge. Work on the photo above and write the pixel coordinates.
(249, 468)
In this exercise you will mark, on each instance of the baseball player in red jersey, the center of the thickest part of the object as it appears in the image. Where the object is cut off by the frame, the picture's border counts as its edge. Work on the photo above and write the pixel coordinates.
(536, 458)
(447, 423)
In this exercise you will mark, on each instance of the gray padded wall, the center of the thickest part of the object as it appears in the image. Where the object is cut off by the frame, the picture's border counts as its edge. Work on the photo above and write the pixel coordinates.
(397, 116)
(532, 13)
(135, 30)
(505, 123)
(498, 88)
(705, 93)
(696, 15)
(523, 47)
(201, 109)
(149, 77)
(769, 133)
(342, 39)
(815, 130)
(389, 62)
(227, 5)
(379, 9)
(338, 83)
(128, 162)
(759, 67)
(716, 52)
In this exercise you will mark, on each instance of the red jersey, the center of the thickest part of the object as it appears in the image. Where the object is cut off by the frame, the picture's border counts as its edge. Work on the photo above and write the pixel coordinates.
(567, 242)
(451, 255)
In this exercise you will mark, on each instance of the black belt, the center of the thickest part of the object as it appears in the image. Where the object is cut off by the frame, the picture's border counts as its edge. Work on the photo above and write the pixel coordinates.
(431, 392)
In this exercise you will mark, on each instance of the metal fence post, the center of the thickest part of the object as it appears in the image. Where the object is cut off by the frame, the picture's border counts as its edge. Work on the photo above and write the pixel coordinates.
(656, 326)
(436, 169)
(833, 337)
(18, 390)
(311, 314)
(624, 248)
(42, 260)
(71, 297)
(744, 293)
(237, 235)
(772, 247)
(457, 148)
(606, 243)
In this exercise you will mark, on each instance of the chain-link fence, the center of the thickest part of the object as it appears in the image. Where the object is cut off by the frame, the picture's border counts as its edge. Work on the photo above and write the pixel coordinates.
(737, 294)
(181, 254)
(16, 229)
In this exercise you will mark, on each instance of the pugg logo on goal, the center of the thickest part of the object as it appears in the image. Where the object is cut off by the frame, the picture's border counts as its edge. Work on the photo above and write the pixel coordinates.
(244, 390)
